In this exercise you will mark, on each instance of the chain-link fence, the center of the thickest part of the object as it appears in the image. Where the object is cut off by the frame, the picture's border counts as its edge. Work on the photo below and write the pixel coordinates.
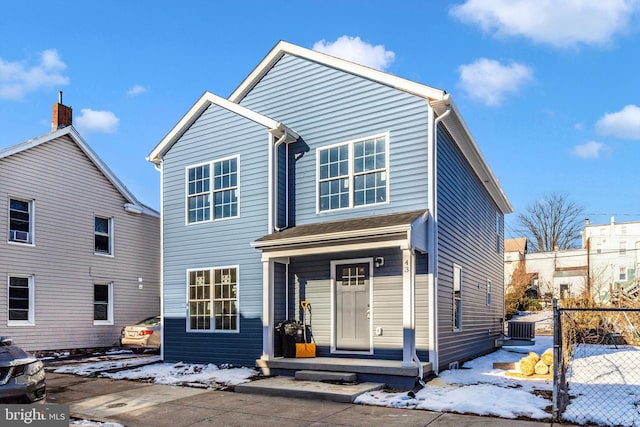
(597, 366)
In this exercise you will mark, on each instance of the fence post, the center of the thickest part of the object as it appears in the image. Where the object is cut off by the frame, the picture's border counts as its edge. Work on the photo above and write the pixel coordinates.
(557, 361)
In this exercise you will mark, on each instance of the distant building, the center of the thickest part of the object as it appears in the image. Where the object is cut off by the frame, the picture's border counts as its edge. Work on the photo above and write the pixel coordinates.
(610, 253)
(614, 257)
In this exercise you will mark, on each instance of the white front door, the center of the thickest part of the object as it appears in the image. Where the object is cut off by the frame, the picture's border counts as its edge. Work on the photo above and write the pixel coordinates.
(352, 281)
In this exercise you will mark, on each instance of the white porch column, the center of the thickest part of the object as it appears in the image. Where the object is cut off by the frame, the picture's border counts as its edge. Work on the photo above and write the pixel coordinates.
(408, 308)
(267, 308)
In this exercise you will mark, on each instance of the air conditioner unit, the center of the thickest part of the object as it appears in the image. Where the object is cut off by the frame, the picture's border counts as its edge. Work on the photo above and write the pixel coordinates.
(19, 236)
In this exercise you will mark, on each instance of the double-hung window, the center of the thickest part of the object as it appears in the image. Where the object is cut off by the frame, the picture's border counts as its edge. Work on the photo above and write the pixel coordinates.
(103, 304)
(21, 301)
(353, 173)
(20, 220)
(212, 190)
(213, 299)
(103, 235)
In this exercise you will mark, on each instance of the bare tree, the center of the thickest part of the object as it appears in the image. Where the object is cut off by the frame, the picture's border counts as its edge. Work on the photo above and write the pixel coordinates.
(553, 223)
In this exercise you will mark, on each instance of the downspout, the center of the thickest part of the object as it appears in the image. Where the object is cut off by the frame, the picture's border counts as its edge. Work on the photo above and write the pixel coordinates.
(274, 201)
(413, 314)
(433, 263)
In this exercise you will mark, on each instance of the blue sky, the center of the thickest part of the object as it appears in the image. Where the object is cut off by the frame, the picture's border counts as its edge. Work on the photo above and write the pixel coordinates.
(549, 89)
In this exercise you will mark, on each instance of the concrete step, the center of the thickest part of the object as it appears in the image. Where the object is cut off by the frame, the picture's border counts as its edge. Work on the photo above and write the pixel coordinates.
(291, 387)
(308, 375)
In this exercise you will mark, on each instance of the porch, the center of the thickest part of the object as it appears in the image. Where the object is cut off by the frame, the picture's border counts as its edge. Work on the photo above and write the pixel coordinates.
(392, 373)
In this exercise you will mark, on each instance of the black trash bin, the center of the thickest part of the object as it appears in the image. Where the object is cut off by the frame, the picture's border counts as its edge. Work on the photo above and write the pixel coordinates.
(278, 345)
(289, 337)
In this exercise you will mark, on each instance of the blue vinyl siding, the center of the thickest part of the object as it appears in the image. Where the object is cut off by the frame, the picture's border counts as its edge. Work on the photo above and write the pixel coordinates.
(216, 134)
(467, 237)
(326, 106)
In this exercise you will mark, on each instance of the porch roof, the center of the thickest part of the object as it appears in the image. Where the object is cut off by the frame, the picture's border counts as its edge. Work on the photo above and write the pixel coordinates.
(371, 227)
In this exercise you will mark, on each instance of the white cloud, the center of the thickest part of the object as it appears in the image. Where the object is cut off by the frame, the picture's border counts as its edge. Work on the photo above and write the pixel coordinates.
(136, 90)
(489, 81)
(19, 78)
(97, 121)
(567, 23)
(623, 124)
(589, 150)
(355, 50)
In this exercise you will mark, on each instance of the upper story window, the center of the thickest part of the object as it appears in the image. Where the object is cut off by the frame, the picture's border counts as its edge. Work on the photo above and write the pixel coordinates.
(216, 184)
(353, 173)
(20, 220)
(103, 235)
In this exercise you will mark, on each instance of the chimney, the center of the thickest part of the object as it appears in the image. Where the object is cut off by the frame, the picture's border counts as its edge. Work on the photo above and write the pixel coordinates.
(62, 115)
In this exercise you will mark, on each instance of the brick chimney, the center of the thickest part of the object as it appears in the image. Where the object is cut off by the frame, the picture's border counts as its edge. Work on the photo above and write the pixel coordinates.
(62, 115)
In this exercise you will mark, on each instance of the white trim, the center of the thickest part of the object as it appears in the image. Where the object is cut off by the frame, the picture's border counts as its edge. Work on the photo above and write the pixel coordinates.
(283, 48)
(316, 250)
(110, 320)
(31, 315)
(212, 329)
(334, 264)
(351, 172)
(198, 108)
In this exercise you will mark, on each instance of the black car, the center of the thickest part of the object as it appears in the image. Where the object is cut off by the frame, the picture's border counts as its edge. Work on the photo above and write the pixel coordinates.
(22, 378)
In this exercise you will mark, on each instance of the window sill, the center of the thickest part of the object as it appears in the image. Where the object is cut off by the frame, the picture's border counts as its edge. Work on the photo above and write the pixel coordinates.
(20, 323)
(13, 242)
(104, 255)
(102, 323)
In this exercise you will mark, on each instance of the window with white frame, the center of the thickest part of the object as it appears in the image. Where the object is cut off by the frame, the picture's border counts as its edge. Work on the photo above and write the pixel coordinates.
(623, 248)
(216, 184)
(488, 292)
(103, 304)
(103, 235)
(353, 173)
(622, 275)
(20, 301)
(457, 297)
(213, 299)
(20, 220)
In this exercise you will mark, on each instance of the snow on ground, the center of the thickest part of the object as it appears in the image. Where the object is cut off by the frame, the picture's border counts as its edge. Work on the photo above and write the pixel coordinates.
(475, 388)
(185, 374)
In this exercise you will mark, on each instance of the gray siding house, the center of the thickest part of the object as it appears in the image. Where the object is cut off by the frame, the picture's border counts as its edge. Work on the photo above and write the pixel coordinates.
(80, 255)
(360, 192)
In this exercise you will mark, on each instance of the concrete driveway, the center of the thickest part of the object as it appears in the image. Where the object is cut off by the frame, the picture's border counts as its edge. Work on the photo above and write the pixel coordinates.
(133, 403)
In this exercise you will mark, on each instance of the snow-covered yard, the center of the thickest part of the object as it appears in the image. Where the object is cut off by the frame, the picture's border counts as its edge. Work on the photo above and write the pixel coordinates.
(475, 388)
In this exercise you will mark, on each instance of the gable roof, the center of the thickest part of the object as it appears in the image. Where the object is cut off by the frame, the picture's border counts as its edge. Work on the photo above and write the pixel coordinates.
(516, 245)
(207, 99)
(133, 205)
(440, 100)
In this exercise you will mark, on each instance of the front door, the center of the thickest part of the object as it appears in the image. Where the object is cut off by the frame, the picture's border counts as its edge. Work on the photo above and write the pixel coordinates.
(352, 291)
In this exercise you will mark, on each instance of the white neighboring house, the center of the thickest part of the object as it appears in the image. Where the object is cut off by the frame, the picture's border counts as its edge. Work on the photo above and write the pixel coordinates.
(80, 255)
(614, 257)
(610, 252)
